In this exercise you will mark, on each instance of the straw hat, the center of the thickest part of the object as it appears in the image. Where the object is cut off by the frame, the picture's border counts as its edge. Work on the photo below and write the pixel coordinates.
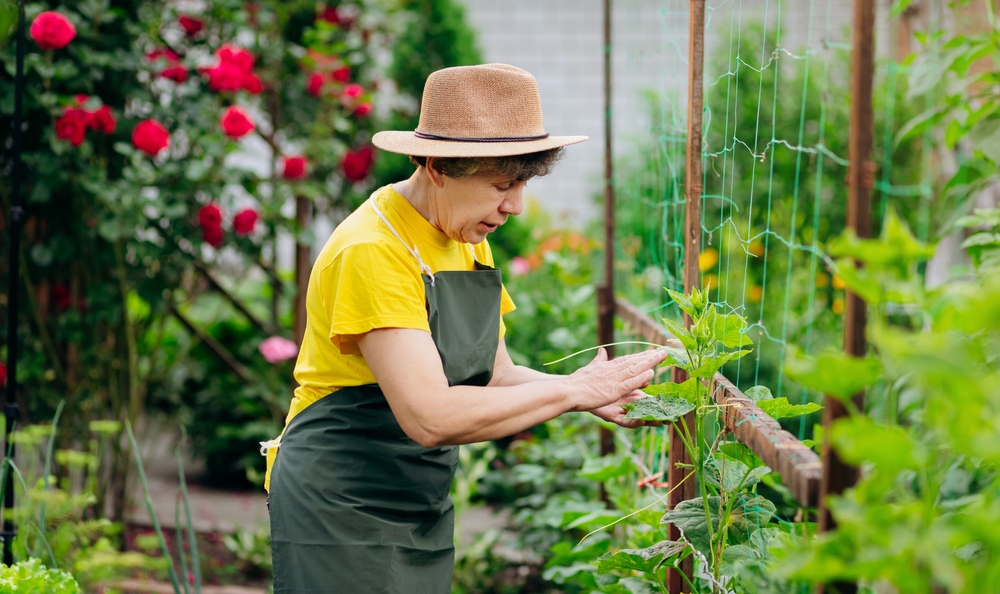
(491, 110)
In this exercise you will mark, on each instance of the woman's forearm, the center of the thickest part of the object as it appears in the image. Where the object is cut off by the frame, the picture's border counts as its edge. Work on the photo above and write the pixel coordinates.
(407, 367)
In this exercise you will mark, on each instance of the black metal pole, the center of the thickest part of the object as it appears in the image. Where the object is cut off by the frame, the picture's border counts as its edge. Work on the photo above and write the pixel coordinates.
(15, 222)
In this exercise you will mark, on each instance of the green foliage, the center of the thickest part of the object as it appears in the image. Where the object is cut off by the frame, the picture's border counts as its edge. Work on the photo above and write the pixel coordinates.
(435, 35)
(31, 577)
(252, 548)
(920, 519)
(983, 243)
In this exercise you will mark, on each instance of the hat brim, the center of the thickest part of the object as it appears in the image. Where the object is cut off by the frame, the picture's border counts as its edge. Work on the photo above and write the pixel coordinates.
(407, 143)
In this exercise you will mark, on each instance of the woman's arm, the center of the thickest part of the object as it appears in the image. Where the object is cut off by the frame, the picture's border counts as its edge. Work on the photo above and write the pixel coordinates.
(408, 368)
(506, 373)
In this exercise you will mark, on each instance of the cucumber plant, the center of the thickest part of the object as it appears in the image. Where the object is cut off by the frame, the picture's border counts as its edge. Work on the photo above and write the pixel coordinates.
(728, 524)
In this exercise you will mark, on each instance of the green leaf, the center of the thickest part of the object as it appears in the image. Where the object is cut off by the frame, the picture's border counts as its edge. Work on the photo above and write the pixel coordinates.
(688, 390)
(730, 475)
(689, 517)
(736, 556)
(680, 333)
(896, 249)
(983, 238)
(729, 330)
(751, 513)
(758, 393)
(657, 408)
(890, 449)
(779, 408)
(714, 363)
(741, 453)
(834, 373)
(682, 302)
(606, 467)
(647, 560)
(985, 138)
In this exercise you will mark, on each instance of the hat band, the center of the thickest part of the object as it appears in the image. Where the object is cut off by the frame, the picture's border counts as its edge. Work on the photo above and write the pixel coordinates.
(427, 136)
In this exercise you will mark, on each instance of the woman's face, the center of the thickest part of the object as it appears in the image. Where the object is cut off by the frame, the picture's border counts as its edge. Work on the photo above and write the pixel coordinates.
(470, 208)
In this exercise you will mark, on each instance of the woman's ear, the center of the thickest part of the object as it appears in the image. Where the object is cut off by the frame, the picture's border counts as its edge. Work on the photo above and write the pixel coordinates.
(433, 174)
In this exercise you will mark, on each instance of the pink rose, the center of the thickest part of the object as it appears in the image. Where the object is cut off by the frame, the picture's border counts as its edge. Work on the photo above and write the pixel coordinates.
(51, 30)
(519, 266)
(315, 84)
(276, 349)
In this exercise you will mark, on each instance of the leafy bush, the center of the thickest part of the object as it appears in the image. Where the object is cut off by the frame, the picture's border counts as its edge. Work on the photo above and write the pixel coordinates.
(29, 577)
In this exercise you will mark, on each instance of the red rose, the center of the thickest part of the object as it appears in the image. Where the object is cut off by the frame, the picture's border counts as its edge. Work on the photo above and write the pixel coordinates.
(363, 110)
(174, 70)
(330, 15)
(60, 296)
(357, 163)
(235, 122)
(234, 71)
(178, 74)
(213, 236)
(245, 221)
(150, 137)
(73, 124)
(191, 25)
(210, 216)
(52, 31)
(102, 120)
(3, 373)
(295, 168)
(336, 16)
(168, 54)
(342, 74)
(315, 85)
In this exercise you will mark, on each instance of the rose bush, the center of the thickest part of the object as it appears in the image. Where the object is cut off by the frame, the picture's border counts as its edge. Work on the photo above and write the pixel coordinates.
(130, 170)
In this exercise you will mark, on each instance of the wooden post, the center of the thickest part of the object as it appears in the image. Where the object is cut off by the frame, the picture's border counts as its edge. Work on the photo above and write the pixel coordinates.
(837, 475)
(303, 265)
(692, 249)
(606, 292)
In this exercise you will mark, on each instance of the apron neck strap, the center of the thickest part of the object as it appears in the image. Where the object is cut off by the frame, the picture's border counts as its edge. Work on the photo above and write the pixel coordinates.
(424, 268)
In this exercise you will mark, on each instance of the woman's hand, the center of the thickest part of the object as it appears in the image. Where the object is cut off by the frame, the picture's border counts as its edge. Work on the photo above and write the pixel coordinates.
(614, 413)
(602, 382)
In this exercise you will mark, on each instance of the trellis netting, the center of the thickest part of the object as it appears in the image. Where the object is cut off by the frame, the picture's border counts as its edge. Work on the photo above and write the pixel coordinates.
(774, 161)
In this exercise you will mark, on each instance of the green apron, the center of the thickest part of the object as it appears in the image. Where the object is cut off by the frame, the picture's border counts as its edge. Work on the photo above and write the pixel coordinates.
(356, 505)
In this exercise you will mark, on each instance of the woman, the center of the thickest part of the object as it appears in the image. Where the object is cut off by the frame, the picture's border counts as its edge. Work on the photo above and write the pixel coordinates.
(403, 357)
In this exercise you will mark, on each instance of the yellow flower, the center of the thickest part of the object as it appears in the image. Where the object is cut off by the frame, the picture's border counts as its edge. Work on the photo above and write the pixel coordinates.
(838, 283)
(708, 259)
(838, 306)
(756, 248)
(710, 281)
(822, 280)
(755, 294)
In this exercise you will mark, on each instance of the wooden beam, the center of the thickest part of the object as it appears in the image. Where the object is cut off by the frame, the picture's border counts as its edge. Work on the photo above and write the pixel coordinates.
(837, 475)
(799, 467)
(606, 292)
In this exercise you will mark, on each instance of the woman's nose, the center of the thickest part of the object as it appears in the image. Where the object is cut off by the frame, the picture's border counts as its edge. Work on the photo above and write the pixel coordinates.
(513, 204)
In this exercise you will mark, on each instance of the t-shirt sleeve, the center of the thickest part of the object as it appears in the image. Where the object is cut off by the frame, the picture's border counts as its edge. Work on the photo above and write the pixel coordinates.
(369, 286)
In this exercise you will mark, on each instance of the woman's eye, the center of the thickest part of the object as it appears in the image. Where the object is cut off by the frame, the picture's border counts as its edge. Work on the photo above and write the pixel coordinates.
(504, 188)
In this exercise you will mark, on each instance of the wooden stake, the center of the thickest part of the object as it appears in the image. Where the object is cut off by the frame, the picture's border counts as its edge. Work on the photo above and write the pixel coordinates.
(692, 249)
(837, 475)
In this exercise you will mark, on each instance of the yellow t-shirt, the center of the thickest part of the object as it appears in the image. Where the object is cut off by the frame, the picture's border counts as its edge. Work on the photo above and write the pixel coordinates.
(363, 279)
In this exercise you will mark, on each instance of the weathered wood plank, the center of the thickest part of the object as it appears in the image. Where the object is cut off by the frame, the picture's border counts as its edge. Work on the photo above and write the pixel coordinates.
(800, 468)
